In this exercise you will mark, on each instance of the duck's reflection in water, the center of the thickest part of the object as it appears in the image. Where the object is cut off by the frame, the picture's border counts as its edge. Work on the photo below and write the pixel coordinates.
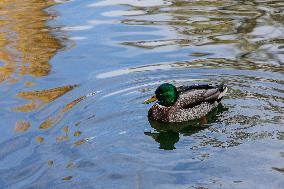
(168, 134)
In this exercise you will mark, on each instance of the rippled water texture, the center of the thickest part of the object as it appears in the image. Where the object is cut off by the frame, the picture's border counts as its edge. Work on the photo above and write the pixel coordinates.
(74, 74)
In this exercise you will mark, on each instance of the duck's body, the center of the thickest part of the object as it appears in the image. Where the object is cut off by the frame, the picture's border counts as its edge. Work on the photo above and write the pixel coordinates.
(190, 103)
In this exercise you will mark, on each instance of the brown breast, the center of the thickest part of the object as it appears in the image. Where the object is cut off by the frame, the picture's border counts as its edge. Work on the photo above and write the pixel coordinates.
(159, 113)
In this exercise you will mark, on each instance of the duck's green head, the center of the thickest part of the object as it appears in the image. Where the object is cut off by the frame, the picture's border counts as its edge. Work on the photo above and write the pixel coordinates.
(166, 94)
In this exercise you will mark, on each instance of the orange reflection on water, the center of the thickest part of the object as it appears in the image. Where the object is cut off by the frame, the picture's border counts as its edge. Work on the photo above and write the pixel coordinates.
(56, 118)
(26, 43)
(39, 98)
(22, 126)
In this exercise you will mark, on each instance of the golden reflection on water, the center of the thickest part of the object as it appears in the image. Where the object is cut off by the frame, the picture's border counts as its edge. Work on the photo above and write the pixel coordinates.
(22, 126)
(65, 129)
(51, 121)
(39, 139)
(26, 43)
(39, 98)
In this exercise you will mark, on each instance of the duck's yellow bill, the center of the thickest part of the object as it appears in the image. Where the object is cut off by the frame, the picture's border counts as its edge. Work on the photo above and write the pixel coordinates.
(152, 99)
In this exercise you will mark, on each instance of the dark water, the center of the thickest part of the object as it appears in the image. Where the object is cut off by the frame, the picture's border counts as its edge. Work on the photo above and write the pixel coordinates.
(74, 75)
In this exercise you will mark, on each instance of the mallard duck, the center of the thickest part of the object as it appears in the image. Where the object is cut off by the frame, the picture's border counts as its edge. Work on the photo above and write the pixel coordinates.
(184, 103)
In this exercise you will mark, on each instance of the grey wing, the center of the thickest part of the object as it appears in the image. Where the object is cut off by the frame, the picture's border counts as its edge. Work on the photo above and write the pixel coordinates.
(193, 98)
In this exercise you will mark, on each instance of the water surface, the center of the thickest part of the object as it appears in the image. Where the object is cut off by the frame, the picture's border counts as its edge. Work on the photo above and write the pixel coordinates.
(74, 74)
